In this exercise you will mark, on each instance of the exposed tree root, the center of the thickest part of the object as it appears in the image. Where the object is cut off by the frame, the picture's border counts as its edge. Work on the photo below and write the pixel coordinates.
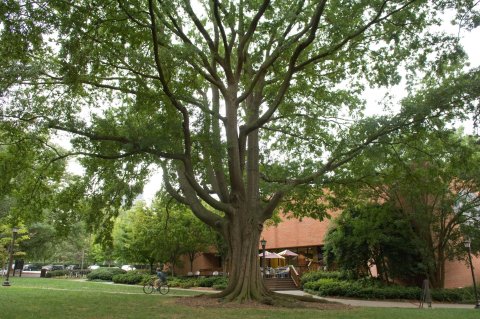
(274, 301)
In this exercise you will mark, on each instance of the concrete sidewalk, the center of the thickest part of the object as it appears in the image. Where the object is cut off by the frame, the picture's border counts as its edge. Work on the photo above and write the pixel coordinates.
(378, 303)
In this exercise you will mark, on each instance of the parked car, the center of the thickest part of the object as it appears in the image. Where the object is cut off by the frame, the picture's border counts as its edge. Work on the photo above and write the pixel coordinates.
(32, 267)
(53, 267)
(128, 267)
(93, 267)
(72, 267)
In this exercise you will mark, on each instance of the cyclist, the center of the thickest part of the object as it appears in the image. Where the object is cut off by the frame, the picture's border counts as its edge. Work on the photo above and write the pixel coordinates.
(162, 277)
(159, 284)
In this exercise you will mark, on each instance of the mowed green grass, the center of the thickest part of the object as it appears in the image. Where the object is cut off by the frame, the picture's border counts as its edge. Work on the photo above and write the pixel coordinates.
(59, 298)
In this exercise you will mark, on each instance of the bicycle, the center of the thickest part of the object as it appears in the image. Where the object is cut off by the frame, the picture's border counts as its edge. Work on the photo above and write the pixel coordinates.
(162, 287)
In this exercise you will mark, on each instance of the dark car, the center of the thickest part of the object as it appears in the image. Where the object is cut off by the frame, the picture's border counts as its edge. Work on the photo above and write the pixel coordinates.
(53, 267)
(32, 267)
(72, 267)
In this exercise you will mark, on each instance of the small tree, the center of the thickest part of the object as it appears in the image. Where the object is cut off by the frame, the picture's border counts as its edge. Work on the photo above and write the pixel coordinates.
(183, 234)
(374, 235)
(432, 179)
(41, 243)
(137, 236)
(198, 238)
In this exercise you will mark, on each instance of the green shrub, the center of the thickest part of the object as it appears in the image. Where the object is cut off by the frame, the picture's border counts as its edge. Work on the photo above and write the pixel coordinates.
(454, 295)
(218, 283)
(188, 283)
(174, 281)
(105, 274)
(365, 289)
(130, 278)
(183, 282)
(316, 275)
(210, 281)
(221, 283)
(373, 289)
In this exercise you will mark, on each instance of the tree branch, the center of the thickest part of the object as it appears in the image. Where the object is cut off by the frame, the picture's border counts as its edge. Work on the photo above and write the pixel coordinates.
(227, 66)
(186, 121)
(245, 39)
(355, 34)
(315, 20)
(117, 139)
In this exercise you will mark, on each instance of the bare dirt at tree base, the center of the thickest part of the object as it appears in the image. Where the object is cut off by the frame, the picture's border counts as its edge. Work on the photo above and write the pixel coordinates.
(205, 301)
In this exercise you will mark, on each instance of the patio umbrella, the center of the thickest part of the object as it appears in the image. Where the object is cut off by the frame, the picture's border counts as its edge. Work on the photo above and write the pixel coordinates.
(287, 252)
(273, 257)
(269, 255)
(266, 253)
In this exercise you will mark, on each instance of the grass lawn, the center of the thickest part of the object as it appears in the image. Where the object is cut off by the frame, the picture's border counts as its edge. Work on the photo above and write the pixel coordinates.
(61, 298)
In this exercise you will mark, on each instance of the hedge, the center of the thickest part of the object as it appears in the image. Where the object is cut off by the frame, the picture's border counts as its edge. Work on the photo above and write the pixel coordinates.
(454, 295)
(370, 289)
(131, 278)
(211, 281)
(105, 274)
(316, 275)
(218, 283)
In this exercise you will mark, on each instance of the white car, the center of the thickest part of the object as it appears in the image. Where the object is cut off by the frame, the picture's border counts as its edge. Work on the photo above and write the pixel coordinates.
(93, 267)
(128, 267)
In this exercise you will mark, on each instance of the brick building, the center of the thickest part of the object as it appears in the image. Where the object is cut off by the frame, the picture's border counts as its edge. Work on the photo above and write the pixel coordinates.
(305, 237)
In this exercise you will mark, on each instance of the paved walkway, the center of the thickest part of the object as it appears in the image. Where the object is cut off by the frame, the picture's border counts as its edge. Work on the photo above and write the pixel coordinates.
(378, 303)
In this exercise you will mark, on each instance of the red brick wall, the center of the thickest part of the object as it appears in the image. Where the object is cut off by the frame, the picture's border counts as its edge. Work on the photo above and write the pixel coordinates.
(457, 274)
(295, 233)
(206, 261)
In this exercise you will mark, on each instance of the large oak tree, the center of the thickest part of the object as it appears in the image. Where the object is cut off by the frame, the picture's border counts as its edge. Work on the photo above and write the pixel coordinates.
(243, 104)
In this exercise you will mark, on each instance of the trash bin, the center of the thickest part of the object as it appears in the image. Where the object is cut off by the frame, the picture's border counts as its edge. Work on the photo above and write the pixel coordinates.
(43, 273)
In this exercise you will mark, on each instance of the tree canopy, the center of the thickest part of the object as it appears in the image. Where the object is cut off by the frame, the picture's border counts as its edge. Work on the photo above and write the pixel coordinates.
(243, 104)
(374, 235)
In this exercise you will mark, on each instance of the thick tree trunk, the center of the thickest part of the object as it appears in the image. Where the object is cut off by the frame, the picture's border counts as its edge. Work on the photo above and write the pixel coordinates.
(245, 281)
(439, 273)
(150, 263)
(191, 258)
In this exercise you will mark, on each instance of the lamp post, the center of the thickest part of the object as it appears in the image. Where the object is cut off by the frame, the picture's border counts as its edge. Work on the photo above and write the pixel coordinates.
(10, 260)
(263, 242)
(468, 244)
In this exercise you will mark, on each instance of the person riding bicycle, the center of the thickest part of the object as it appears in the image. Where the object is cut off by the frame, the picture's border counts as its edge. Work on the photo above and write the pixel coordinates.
(158, 283)
(162, 277)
